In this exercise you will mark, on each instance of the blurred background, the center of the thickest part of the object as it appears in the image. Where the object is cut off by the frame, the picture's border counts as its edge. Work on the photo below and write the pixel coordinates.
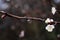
(27, 29)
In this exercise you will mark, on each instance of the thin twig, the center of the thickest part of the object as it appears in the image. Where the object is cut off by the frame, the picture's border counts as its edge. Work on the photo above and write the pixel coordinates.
(34, 18)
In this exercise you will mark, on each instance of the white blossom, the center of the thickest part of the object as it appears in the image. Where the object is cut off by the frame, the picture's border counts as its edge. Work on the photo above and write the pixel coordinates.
(28, 20)
(48, 20)
(53, 10)
(49, 28)
(21, 34)
(51, 20)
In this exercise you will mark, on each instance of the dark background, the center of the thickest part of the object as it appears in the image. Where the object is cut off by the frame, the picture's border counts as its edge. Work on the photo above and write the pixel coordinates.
(34, 29)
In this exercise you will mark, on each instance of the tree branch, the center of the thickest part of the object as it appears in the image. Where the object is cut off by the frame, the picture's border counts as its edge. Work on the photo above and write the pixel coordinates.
(32, 18)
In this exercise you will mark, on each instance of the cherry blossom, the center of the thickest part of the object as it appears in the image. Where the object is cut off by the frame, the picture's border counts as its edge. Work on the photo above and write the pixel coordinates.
(50, 28)
(48, 20)
(21, 34)
(53, 10)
